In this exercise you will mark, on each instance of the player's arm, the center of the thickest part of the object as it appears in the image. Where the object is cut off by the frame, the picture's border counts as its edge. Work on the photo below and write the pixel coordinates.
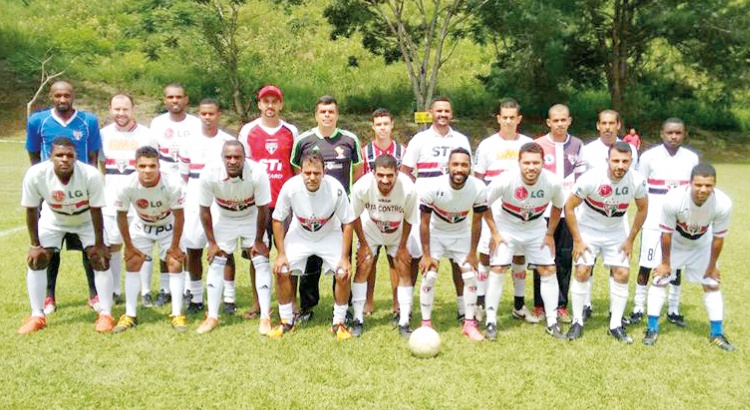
(33, 141)
(549, 236)
(640, 216)
(281, 264)
(476, 229)
(579, 247)
(363, 248)
(426, 263)
(35, 157)
(174, 252)
(495, 238)
(717, 243)
(402, 252)
(38, 257)
(665, 267)
(134, 258)
(357, 171)
(346, 246)
(259, 247)
(408, 171)
(99, 253)
(208, 227)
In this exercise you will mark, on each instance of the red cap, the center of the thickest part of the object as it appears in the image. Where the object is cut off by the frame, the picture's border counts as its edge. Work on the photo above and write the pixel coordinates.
(270, 90)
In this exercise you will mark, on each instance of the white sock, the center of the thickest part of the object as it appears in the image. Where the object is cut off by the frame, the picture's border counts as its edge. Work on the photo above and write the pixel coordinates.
(176, 287)
(405, 296)
(188, 281)
(36, 285)
(494, 294)
(483, 272)
(163, 281)
(470, 294)
(263, 284)
(618, 298)
(657, 295)
(132, 291)
(589, 288)
(578, 292)
(339, 313)
(714, 303)
(639, 300)
(519, 280)
(286, 313)
(215, 285)
(103, 283)
(359, 296)
(550, 292)
(115, 265)
(230, 291)
(196, 290)
(426, 294)
(147, 273)
(674, 299)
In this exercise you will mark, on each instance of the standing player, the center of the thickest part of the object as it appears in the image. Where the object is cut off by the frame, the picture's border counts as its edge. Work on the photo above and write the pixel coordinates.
(195, 153)
(427, 157)
(171, 130)
(496, 154)
(321, 225)
(522, 198)
(268, 140)
(562, 156)
(157, 199)
(340, 150)
(120, 140)
(384, 203)
(445, 230)
(82, 128)
(241, 191)
(665, 167)
(73, 196)
(599, 228)
(699, 215)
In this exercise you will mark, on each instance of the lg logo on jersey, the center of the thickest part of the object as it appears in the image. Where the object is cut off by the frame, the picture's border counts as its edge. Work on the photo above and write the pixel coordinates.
(59, 196)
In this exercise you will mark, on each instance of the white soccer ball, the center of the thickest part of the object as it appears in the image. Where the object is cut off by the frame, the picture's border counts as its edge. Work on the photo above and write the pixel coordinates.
(424, 342)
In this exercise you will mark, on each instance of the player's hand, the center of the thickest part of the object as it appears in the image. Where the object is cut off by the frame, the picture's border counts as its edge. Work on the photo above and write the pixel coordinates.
(133, 258)
(281, 265)
(579, 249)
(549, 242)
(99, 257)
(403, 256)
(176, 254)
(213, 251)
(364, 253)
(427, 264)
(259, 248)
(343, 269)
(627, 247)
(495, 241)
(38, 257)
(661, 273)
(713, 273)
(473, 261)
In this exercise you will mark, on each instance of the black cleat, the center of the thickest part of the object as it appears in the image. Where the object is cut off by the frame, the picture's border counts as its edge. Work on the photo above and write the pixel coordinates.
(194, 308)
(650, 338)
(357, 328)
(555, 331)
(722, 342)
(404, 331)
(587, 312)
(460, 317)
(575, 331)
(117, 299)
(636, 318)
(162, 298)
(304, 316)
(620, 334)
(491, 331)
(677, 319)
(147, 301)
(230, 308)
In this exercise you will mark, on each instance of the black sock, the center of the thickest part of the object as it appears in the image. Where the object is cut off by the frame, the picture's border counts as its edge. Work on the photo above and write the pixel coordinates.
(518, 302)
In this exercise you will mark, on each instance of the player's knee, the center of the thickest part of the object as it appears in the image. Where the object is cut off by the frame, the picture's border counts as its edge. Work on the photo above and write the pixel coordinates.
(547, 270)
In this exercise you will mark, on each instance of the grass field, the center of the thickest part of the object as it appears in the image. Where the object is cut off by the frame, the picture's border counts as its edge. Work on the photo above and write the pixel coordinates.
(68, 365)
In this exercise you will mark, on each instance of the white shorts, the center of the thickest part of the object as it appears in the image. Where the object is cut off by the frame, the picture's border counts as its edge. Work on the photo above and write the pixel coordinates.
(693, 261)
(608, 246)
(193, 235)
(530, 246)
(650, 248)
(456, 248)
(375, 240)
(327, 248)
(228, 230)
(112, 234)
(145, 236)
(51, 234)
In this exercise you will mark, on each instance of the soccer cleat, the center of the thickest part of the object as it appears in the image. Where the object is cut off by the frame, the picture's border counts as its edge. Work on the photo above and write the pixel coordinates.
(357, 328)
(230, 308)
(264, 326)
(636, 318)
(563, 315)
(179, 323)
(146, 300)
(93, 303)
(555, 331)
(620, 335)
(722, 342)
(677, 319)
(194, 308)
(116, 299)
(49, 305)
(587, 312)
(427, 323)
(104, 323)
(479, 314)
(208, 325)
(279, 331)
(349, 317)
(491, 332)
(539, 314)
(32, 324)
(163, 298)
(575, 331)
(525, 315)
(404, 331)
(341, 332)
(305, 315)
(471, 331)
(126, 322)
(460, 317)
(650, 338)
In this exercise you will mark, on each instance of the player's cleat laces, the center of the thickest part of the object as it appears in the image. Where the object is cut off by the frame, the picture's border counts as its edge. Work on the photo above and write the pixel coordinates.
(341, 332)
(620, 335)
(208, 325)
(722, 342)
(471, 331)
(491, 331)
(650, 338)
(104, 323)
(677, 319)
(279, 331)
(179, 323)
(32, 324)
(575, 331)
(126, 322)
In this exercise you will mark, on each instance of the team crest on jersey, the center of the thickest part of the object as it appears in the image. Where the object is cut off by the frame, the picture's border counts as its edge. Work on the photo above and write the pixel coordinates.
(58, 196)
(387, 226)
(272, 146)
(672, 184)
(312, 224)
(77, 135)
(122, 165)
(610, 207)
(339, 152)
(521, 193)
(141, 203)
(526, 212)
(168, 134)
(572, 158)
(605, 190)
(549, 159)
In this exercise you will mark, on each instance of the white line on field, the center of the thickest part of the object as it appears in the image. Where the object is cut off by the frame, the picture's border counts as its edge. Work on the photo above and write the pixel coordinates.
(10, 231)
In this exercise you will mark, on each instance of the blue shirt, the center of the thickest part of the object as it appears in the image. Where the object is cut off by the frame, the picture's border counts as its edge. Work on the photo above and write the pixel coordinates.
(82, 128)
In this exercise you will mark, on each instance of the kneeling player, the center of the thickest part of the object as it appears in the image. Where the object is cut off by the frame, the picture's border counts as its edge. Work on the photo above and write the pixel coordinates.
(158, 202)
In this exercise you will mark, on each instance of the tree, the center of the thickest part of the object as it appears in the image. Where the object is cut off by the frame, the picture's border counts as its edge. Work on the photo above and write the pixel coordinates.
(413, 31)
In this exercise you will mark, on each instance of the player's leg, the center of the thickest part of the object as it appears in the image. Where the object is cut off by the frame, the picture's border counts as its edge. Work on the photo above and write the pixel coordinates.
(309, 288)
(518, 271)
(458, 283)
(214, 291)
(714, 303)
(359, 288)
(564, 266)
(579, 290)
(195, 267)
(550, 292)
(50, 241)
(230, 286)
(618, 299)
(369, 299)
(105, 323)
(538, 311)
(285, 295)
(114, 240)
(498, 262)
(429, 279)
(134, 268)
(53, 267)
(405, 296)
(254, 311)
(650, 256)
(177, 275)
(263, 286)
(673, 301)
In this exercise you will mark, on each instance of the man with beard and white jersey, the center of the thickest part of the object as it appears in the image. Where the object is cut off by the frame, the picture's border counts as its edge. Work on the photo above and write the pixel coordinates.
(445, 231)
(521, 198)
(665, 167)
(599, 227)
(384, 203)
(157, 199)
(497, 154)
(426, 157)
(241, 191)
(321, 225)
(120, 140)
(171, 130)
(268, 140)
(73, 195)
(198, 151)
(694, 222)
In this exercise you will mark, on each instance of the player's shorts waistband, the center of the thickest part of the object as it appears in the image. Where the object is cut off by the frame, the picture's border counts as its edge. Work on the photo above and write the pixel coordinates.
(156, 230)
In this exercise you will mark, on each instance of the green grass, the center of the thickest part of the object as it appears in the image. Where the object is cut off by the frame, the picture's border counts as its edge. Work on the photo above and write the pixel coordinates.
(68, 365)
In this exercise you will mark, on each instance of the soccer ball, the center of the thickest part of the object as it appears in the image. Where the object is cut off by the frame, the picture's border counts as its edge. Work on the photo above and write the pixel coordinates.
(424, 342)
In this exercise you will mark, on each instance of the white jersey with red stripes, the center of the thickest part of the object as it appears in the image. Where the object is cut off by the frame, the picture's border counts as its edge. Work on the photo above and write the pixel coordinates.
(386, 213)
(68, 204)
(451, 208)
(194, 155)
(692, 225)
(605, 202)
(118, 153)
(664, 172)
(517, 206)
(427, 153)
(153, 205)
(371, 152)
(171, 136)
(236, 197)
(595, 154)
(317, 213)
(495, 155)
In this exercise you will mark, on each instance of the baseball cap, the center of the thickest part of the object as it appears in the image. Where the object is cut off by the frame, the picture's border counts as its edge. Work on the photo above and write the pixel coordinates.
(270, 90)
